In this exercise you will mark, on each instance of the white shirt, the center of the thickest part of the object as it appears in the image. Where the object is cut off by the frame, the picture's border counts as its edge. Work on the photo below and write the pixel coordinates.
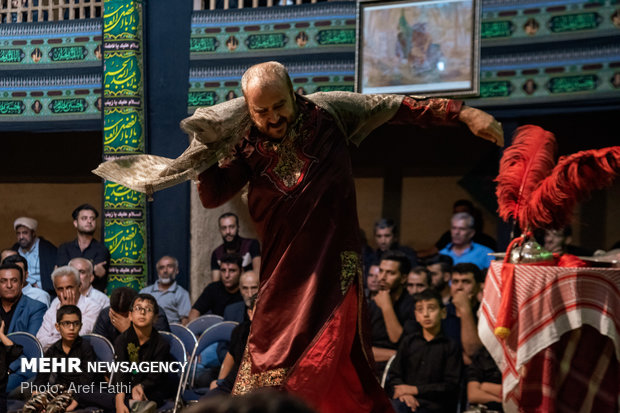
(37, 294)
(48, 334)
(97, 296)
(34, 268)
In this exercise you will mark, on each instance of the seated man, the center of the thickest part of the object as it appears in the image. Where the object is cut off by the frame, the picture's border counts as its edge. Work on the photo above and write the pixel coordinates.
(372, 280)
(28, 290)
(217, 295)
(66, 282)
(440, 267)
(247, 248)
(248, 286)
(141, 342)
(418, 280)
(424, 376)
(463, 248)
(461, 321)
(85, 268)
(390, 308)
(484, 381)
(171, 297)
(386, 238)
(114, 320)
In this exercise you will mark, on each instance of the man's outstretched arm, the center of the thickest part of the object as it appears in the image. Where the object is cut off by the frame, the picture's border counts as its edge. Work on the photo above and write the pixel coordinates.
(437, 112)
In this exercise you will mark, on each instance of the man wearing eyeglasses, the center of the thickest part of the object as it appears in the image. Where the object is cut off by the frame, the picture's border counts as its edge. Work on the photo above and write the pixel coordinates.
(67, 283)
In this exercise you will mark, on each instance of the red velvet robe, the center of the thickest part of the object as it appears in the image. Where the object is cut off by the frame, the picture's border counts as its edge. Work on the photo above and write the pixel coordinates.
(308, 333)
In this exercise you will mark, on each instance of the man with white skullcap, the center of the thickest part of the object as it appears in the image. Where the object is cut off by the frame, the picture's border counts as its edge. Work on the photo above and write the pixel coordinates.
(40, 253)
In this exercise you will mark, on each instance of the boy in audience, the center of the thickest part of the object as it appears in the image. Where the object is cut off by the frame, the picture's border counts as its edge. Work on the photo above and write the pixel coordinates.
(70, 345)
(141, 342)
(424, 376)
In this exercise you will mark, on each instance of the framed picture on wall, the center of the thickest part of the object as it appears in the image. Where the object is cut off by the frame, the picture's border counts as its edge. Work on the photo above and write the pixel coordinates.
(420, 47)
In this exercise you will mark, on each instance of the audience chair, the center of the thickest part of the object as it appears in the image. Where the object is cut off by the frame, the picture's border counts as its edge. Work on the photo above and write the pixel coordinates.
(385, 371)
(186, 335)
(200, 324)
(31, 349)
(178, 352)
(104, 350)
(214, 334)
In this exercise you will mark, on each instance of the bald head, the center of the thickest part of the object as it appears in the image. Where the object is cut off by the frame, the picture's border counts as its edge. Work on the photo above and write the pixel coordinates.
(266, 74)
(248, 285)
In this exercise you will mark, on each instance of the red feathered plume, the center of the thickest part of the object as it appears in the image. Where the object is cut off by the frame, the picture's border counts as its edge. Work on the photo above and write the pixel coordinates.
(528, 160)
(551, 204)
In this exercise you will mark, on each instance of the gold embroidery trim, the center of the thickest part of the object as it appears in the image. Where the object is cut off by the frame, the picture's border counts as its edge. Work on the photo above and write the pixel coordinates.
(351, 267)
(246, 381)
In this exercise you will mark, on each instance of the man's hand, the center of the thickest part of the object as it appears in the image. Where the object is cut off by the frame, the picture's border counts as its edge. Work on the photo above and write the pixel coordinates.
(482, 124)
(137, 393)
(99, 269)
(119, 322)
(383, 299)
(410, 401)
(404, 389)
(462, 302)
(68, 297)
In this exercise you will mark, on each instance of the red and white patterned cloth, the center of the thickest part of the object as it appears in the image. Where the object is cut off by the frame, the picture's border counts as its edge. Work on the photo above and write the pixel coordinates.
(563, 351)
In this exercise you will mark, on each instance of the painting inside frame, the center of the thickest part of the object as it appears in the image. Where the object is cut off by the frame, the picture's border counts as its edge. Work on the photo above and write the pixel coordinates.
(424, 47)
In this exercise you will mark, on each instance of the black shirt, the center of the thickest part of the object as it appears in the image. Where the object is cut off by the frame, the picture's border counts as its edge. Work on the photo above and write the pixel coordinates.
(80, 349)
(96, 252)
(403, 307)
(484, 370)
(238, 340)
(434, 367)
(7, 316)
(215, 298)
(157, 386)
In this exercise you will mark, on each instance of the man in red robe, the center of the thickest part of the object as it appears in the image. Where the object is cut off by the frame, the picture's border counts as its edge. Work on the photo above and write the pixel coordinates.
(308, 335)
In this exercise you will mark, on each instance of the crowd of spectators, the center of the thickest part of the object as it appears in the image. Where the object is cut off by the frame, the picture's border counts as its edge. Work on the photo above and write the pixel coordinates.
(422, 310)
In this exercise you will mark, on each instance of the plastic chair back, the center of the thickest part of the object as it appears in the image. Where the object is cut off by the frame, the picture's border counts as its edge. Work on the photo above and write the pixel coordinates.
(186, 335)
(104, 350)
(31, 349)
(200, 324)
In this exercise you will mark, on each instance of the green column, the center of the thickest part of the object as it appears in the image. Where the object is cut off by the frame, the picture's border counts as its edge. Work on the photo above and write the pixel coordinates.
(125, 231)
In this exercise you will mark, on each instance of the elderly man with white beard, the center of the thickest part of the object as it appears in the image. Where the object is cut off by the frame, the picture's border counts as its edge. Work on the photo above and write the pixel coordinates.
(170, 296)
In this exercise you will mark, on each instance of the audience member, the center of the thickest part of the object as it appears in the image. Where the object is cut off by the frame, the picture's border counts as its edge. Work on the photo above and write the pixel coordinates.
(372, 280)
(28, 290)
(70, 345)
(418, 280)
(230, 366)
(247, 248)
(170, 296)
(390, 307)
(114, 320)
(85, 269)
(86, 246)
(559, 241)
(461, 321)
(386, 238)
(217, 295)
(484, 381)
(19, 312)
(465, 205)
(440, 267)
(40, 253)
(66, 281)
(9, 352)
(462, 248)
(424, 376)
(139, 343)
(248, 286)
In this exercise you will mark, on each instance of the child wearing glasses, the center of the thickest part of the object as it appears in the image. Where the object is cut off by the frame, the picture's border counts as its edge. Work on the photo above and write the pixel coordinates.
(144, 391)
(59, 395)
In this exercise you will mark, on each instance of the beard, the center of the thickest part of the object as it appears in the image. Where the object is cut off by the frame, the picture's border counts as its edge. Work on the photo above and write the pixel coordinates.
(85, 232)
(234, 245)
